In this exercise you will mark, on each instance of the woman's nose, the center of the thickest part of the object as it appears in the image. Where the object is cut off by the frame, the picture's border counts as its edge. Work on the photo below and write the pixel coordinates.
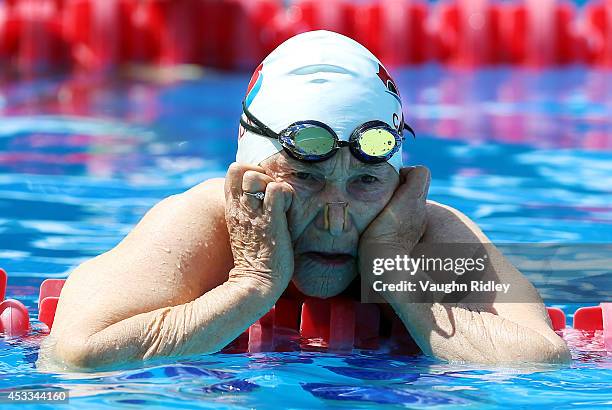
(334, 214)
(335, 217)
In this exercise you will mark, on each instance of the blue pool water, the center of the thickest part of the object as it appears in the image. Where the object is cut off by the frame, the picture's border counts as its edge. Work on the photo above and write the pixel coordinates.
(526, 154)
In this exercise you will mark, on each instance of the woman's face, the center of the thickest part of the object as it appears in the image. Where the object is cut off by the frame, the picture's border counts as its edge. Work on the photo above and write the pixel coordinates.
(335, 200)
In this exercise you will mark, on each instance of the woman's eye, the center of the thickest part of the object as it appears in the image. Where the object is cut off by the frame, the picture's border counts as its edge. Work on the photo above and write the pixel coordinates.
(368, 179)
(304, 176)
(307, 180)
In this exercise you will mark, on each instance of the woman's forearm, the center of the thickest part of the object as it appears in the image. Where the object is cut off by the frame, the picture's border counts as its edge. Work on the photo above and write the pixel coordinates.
(205, 325)
(459, 333)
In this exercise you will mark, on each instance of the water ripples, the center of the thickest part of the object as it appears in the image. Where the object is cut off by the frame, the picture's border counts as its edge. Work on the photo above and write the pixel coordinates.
(526, 154)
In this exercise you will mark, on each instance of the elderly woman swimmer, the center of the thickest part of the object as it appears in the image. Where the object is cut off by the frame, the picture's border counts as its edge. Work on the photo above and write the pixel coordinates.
(318, 178)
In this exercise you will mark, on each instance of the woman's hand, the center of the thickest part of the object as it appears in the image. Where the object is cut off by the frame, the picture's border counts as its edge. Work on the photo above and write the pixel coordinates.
(401, 224)
(259, 236)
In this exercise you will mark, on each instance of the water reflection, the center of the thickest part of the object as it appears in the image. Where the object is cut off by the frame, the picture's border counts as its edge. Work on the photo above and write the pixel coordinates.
(525, 153)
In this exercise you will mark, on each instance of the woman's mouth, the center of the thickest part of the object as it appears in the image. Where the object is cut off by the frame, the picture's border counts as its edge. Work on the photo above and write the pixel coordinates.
(326, 258)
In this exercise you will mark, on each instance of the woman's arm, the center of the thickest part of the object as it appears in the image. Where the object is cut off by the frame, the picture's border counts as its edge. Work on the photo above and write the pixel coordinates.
(204, 325)
(197, 270)
(484, 333)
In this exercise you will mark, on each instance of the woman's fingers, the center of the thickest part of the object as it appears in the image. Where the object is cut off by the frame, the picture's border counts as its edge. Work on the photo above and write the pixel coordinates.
(412, 201)
(415, 182)
(233, 179)
(279, 196)
(259, 235)
(404, 219)
(253, 182)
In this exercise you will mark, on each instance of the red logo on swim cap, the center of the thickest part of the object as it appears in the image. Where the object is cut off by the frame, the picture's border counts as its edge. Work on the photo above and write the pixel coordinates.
(388, 81)
(254, 78)
(255, 82)
(253, 87)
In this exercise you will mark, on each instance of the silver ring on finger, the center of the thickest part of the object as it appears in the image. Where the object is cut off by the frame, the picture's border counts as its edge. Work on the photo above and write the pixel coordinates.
(258, 195)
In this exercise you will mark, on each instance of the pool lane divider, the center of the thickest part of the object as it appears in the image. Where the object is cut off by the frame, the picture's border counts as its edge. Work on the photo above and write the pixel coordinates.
(48, 298)
(588, 319)
(557, 318)
(41, 36)
(14, 316)
(337, 324)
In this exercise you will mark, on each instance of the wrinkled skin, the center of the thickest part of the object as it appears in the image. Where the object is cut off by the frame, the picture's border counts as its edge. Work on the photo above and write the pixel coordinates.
(366, 189)
(201, 266)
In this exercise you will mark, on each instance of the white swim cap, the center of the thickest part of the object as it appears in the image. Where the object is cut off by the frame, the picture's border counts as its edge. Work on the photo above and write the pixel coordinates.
(319, 75)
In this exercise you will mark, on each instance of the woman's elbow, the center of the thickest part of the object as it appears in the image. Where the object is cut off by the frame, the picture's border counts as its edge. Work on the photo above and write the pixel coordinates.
(558, 352)
(68, 352)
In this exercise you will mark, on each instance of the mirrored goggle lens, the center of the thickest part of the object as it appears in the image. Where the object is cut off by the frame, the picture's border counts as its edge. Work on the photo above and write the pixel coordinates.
(377, 142)
(313, 141)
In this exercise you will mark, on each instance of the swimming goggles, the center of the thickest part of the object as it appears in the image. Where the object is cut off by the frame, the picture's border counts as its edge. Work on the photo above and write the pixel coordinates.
(312, 141)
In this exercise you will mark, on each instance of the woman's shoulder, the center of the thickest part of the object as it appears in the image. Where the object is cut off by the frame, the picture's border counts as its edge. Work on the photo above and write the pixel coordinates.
(446, 224)
(207, 193)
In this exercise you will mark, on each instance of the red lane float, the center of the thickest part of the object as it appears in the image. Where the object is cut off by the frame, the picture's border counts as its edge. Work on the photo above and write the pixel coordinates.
(394, 30)
(557, 318)
(306, 15)
(257, 31)
(597, 31)
(98, 32)
(31, 38)
(468, 33)
(594, 319)
(367, 337)
(540, 33)
(337, 324)
(261, 334)
(48, 298)
(588, 318)
(14, 317)
(40, 35)
(315, 324)
(328, 324)
(173, 28)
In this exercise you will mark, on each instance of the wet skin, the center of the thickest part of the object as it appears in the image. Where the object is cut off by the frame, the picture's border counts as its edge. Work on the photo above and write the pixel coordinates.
(325, 252)
(201, 266)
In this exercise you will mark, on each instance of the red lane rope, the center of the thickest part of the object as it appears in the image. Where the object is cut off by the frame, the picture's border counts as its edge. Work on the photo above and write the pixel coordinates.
(38, 36)
(336, 324)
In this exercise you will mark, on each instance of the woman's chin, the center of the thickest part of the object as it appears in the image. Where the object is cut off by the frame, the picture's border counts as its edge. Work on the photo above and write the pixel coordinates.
(318, 281)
